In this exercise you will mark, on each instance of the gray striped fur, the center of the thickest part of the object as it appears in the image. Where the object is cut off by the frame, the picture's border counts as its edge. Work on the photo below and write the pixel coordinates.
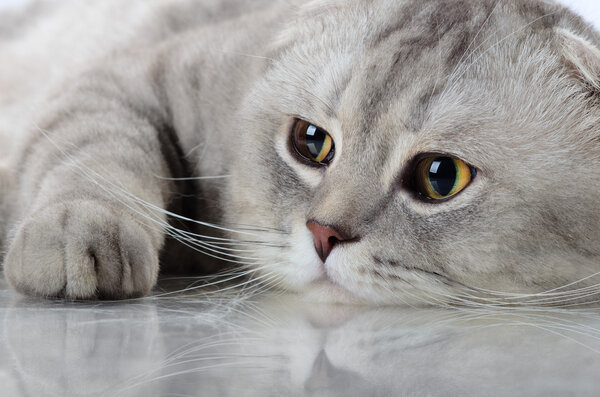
(109, 128)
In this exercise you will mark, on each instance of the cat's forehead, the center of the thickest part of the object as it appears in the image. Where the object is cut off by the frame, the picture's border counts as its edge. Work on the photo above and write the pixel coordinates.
(369, 61)
(389, 80)
(390, 46)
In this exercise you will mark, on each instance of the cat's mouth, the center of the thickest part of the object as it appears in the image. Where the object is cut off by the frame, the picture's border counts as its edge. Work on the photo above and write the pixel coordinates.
(328, 291)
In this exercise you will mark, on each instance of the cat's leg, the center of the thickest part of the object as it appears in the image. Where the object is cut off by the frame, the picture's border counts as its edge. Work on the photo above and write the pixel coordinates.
(91, 188)
(6, 203)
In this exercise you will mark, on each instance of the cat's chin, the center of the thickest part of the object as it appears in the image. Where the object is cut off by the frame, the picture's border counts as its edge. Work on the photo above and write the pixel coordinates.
(326, 291)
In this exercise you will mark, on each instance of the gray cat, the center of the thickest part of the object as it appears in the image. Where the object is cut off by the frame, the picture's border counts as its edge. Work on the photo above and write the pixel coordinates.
(374, 151)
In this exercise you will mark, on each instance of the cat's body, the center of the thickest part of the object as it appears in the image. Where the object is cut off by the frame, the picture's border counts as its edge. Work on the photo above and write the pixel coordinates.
(199, 89)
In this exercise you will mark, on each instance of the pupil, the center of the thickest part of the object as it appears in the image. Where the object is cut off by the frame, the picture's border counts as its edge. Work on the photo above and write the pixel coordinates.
(442, 175)
(314, 140)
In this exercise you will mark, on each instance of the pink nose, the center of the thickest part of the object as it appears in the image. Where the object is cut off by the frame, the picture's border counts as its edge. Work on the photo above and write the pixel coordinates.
(325, 238)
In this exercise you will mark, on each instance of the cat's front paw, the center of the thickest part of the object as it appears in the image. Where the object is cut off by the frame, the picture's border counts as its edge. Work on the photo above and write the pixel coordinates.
(82, 250)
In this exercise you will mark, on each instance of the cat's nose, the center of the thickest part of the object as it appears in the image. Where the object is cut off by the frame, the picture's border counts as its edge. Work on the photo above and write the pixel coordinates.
(326, 237)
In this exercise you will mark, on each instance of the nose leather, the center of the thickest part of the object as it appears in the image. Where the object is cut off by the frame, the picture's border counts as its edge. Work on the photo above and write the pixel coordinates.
(325, 238)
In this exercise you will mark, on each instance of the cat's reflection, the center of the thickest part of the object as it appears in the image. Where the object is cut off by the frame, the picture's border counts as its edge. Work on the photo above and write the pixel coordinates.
(80, 350)
(283, 347)
(327, 379)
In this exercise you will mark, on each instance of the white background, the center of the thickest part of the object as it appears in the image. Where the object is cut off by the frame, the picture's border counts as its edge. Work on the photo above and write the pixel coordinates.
(589, 9)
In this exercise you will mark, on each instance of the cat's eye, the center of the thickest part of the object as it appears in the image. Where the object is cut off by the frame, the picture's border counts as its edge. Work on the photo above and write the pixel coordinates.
(439, 178)
(312, 143)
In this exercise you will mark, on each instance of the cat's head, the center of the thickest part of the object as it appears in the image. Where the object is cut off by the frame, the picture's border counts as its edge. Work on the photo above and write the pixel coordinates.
(435, 146)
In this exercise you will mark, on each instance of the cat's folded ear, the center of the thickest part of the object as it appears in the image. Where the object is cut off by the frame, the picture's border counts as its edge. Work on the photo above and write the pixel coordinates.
(582, 57)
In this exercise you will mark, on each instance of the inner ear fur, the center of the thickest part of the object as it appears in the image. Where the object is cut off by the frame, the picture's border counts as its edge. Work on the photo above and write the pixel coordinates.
(582, 57)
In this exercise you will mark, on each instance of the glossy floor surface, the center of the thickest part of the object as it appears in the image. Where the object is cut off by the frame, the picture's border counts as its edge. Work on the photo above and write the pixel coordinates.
(207, 344)
(214, 345)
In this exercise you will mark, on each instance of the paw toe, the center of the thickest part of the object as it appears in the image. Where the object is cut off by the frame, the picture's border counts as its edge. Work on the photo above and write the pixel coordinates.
(82, 252)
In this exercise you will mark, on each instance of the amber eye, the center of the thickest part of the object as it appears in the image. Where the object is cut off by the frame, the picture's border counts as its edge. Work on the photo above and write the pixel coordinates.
(440, 178)
(312, 143)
